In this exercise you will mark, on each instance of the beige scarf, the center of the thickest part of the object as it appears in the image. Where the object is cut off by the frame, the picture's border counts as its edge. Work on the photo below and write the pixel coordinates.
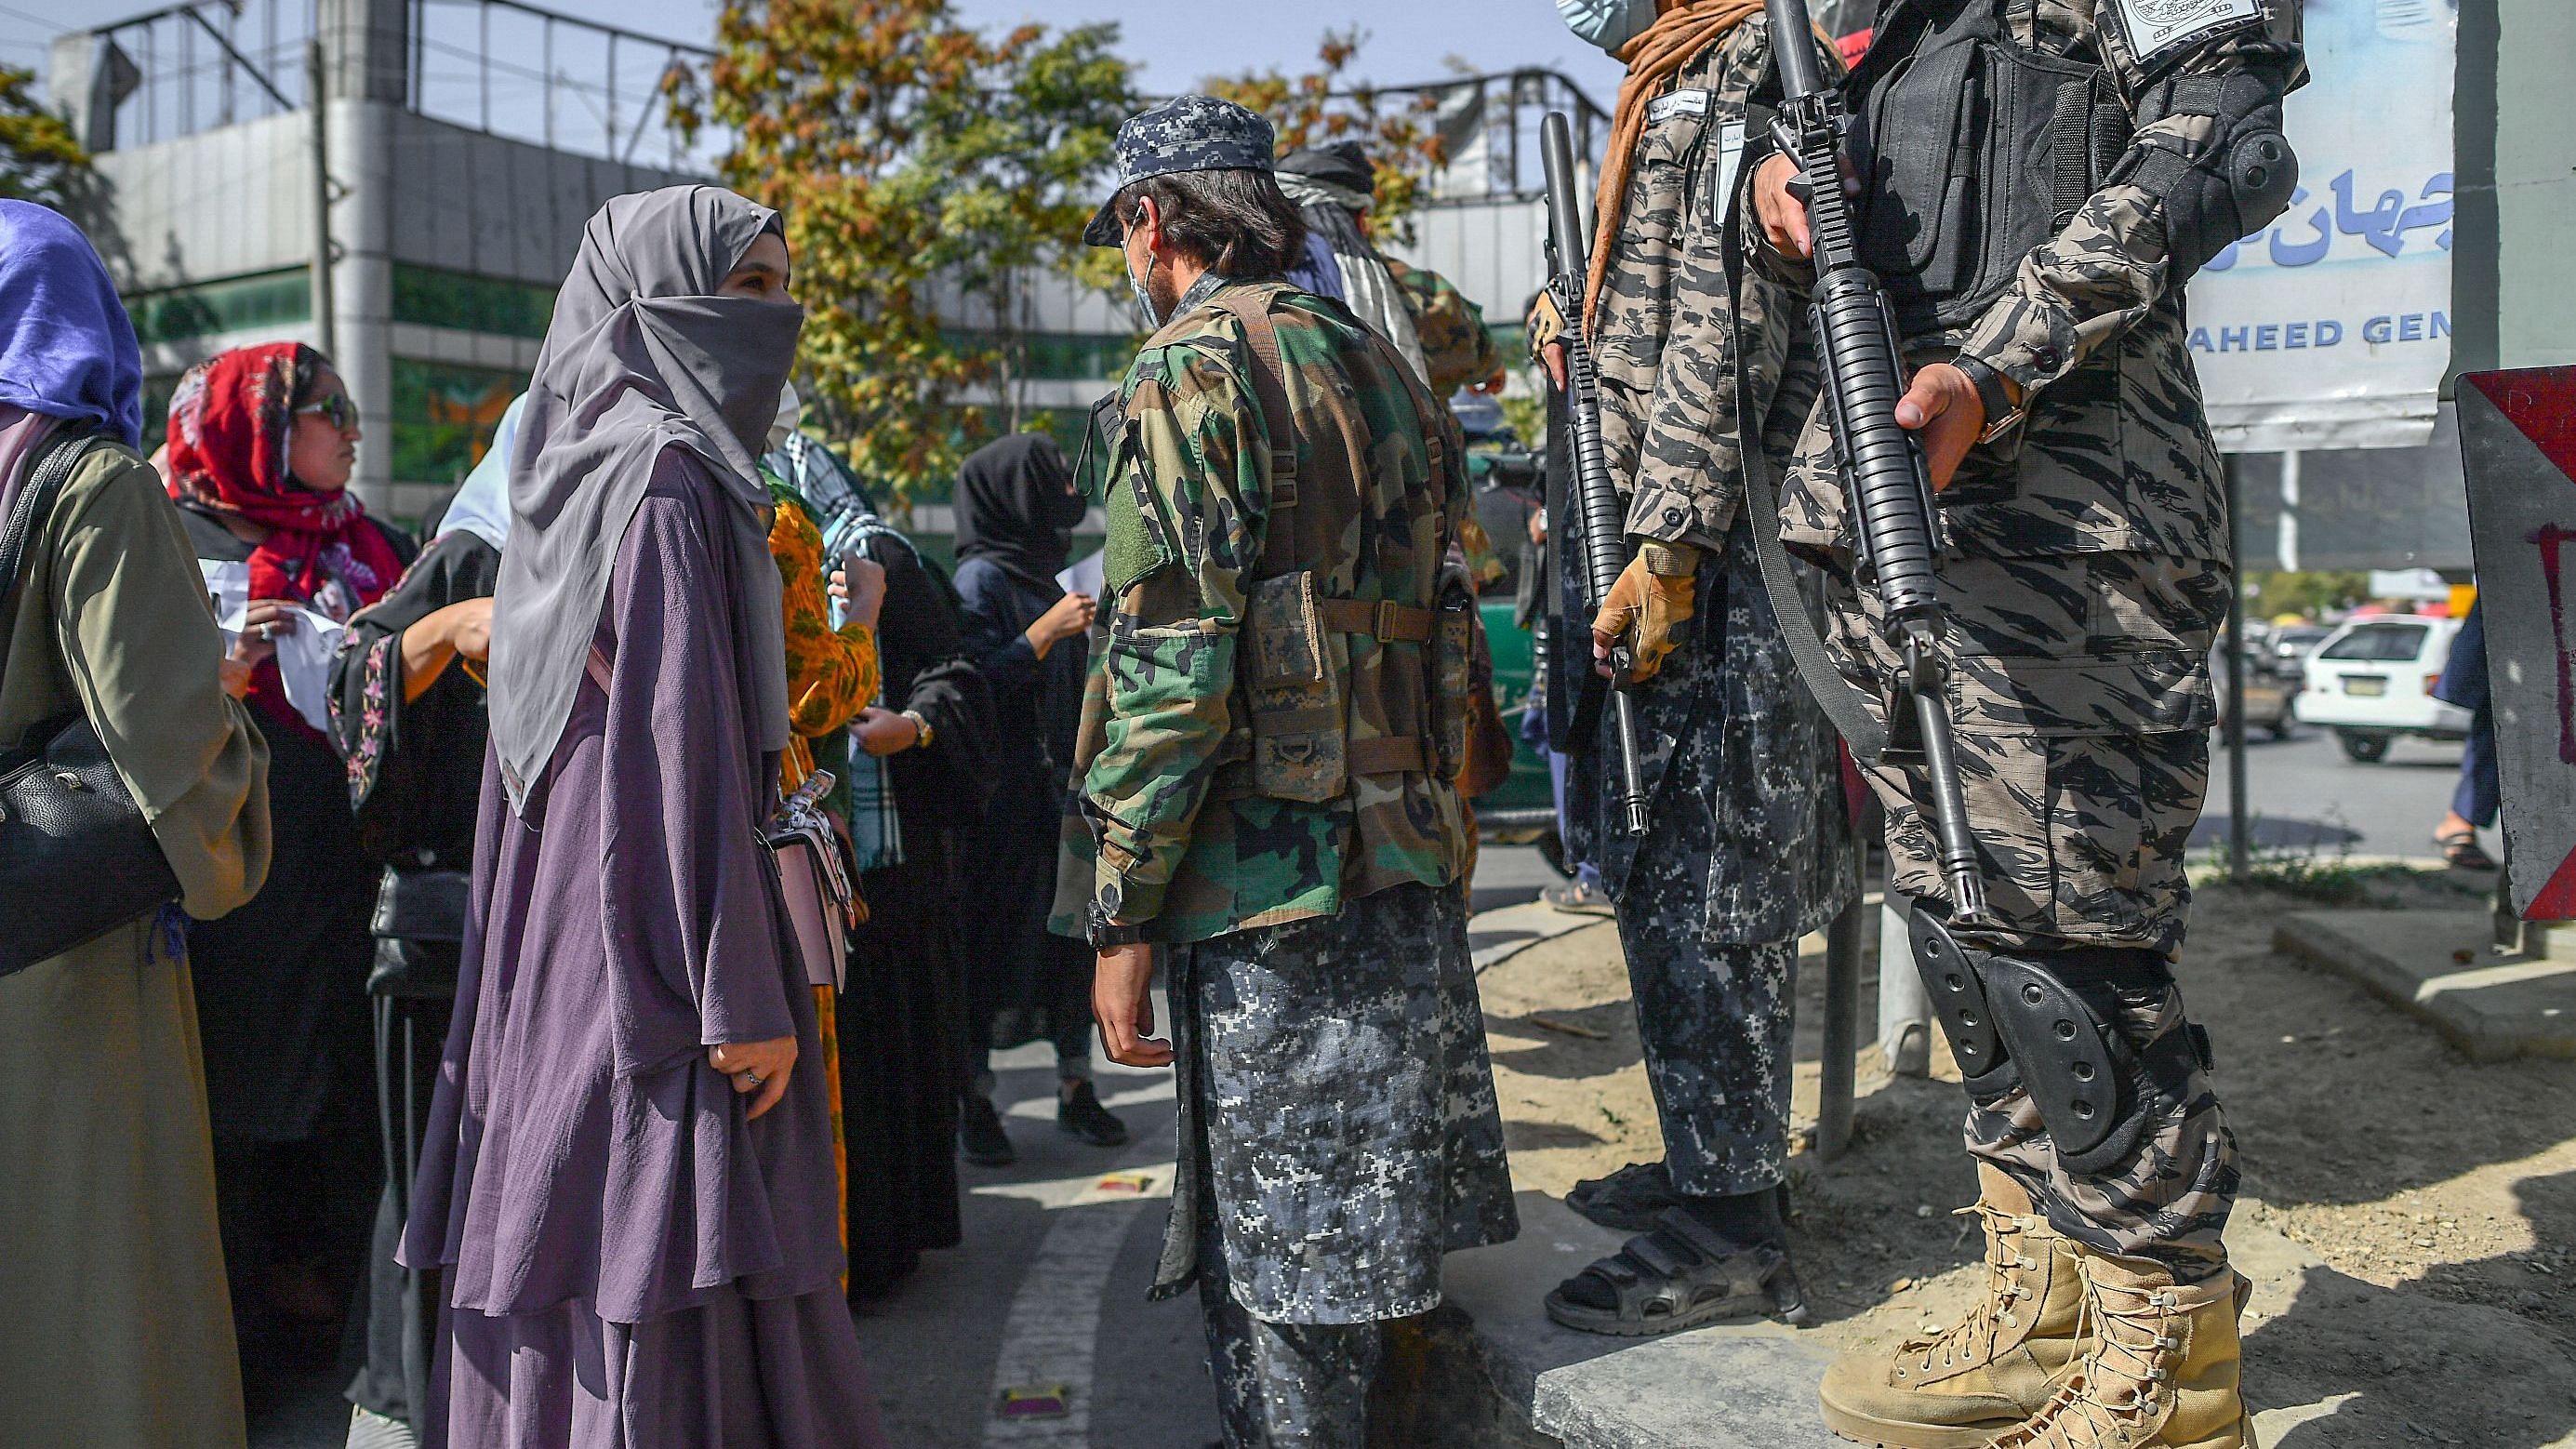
(1682, 31)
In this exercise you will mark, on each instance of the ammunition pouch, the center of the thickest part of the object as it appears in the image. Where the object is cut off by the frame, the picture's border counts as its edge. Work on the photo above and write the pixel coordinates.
(1453, 673)
(1974, 152)
(1297, 680)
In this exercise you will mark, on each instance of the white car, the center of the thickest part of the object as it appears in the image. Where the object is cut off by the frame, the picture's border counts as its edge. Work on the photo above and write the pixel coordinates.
(2373, 680)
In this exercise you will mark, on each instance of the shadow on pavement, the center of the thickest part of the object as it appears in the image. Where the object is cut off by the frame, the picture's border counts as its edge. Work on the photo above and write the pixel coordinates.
(2429, 1362)
(2269, 832)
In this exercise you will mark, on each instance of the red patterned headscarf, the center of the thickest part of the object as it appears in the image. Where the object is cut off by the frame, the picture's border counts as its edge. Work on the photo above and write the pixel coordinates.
(230, 426)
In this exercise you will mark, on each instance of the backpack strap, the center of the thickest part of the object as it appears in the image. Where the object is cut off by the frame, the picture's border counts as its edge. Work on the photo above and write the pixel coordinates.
(1270, 387)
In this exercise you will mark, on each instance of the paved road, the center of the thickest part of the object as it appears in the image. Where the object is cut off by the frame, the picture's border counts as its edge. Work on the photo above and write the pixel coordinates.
(2303, 795)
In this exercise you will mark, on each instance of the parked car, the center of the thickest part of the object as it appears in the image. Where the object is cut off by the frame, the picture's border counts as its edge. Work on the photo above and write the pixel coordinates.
(2372, 680)
(2270, 685)
(2293, 643)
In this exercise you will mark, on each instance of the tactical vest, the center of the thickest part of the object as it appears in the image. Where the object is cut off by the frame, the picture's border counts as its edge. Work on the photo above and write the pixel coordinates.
(1334, 686)
(1974, 152)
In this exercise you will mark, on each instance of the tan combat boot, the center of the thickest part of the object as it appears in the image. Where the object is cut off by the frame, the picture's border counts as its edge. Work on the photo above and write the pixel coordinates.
(2160, 1371)
(1995, 1368)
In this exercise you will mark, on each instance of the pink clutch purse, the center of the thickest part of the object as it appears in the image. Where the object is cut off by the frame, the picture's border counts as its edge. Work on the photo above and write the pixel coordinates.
(813, 881)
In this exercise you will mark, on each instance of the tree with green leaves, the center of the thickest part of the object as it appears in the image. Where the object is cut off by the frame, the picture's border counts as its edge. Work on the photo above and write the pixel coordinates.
(1324, 105)
(926, 170)
(40, 160)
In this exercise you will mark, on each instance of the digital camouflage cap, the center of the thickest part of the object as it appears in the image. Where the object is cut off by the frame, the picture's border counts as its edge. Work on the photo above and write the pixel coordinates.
(1187, 133)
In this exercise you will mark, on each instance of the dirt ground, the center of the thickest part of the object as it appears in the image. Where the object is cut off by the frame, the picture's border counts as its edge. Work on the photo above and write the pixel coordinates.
(2410, 1217)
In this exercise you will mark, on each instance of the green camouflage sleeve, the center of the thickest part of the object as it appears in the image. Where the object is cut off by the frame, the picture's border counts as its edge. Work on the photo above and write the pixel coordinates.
(1185, 528)
(2106, 267)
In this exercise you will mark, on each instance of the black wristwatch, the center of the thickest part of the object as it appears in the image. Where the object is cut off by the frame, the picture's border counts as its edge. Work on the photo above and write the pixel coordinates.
(1106, 933)
(2001, 414)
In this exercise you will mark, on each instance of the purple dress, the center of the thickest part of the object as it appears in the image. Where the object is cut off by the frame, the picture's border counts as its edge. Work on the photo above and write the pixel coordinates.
(629, 1262)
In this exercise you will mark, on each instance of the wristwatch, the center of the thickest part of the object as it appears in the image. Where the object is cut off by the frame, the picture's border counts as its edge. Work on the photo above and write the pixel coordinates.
(1105, 933)
(2002, 413)
(923, 734)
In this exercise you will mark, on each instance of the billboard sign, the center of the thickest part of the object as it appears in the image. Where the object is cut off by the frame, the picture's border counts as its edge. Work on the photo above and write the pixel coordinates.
(2331, 328)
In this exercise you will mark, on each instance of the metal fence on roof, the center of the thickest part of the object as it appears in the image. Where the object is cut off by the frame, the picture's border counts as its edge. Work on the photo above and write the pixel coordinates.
(1488, 126)
(500, 66)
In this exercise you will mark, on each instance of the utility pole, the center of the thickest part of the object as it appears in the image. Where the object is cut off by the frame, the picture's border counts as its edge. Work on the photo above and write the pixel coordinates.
(2239, 829)
(316, 90)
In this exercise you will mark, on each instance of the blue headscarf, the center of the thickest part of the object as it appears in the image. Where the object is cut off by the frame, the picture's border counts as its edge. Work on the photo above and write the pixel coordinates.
(67, 348)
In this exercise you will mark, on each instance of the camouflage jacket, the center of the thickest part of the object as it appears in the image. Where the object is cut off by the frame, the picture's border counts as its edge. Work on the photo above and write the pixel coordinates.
(1171, 840)
(1452, 329)
(2113, 453)
(1666, 332)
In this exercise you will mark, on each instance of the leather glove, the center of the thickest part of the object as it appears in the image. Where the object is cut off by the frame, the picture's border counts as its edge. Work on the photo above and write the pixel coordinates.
(1653, 598)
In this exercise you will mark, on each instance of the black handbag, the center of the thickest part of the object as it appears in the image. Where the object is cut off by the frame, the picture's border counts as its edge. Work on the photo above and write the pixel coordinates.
(421, 903)
(77, 858)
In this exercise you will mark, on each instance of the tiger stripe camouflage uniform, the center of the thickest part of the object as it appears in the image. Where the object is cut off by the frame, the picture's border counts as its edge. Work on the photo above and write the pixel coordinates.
(2086, 571)
(1338, 1126)
(1749, 846)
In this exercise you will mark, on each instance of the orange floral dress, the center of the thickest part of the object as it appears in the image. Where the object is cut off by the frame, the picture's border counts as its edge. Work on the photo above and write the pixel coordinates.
(832, 674)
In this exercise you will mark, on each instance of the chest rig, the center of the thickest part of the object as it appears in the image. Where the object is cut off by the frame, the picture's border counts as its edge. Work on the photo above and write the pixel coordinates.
(1974, 150)
(1331, 686)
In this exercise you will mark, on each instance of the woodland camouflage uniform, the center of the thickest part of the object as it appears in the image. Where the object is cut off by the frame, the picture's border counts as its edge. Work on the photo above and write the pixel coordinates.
(1451, 328)
(1749, 846)
(2087, 577)
(1339, 1131)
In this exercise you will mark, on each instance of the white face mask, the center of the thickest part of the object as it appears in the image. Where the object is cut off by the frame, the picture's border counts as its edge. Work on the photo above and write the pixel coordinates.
(791, 410)
(1145, 298)
(1608, 24)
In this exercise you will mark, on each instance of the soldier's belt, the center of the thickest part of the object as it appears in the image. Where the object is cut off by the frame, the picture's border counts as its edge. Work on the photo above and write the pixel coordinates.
(1386, 621)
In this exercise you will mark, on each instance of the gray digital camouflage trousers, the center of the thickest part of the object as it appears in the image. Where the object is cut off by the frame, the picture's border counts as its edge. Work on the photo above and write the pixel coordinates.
(1281, 1384)
(1747, 848)
(2083, 705)
(1338, 1134)
(1715, 1020)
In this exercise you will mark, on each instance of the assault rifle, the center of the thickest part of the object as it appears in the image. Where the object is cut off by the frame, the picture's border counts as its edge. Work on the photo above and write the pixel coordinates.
(1882, 465)
(1601, 516)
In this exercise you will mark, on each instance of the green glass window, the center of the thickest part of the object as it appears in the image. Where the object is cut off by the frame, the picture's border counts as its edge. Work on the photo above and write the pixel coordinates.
(236, 304)
(468, 303)
(444, 416)
(1065, 356)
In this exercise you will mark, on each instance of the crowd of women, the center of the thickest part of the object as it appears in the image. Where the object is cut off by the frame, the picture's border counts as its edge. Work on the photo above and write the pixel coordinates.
(480, 1049)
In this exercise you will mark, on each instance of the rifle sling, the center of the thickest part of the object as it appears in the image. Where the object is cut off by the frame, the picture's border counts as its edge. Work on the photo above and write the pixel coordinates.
(1841, 702)
(1846, 706)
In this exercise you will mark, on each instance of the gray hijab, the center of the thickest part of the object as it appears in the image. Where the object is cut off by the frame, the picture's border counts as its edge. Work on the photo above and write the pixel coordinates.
(641, 356)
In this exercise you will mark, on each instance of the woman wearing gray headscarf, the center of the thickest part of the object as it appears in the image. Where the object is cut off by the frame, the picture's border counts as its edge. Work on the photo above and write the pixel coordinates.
(628, 1178)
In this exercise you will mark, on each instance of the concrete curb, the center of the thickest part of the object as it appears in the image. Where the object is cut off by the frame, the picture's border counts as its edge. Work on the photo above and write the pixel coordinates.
(1736, 1386)
(2491, 1007)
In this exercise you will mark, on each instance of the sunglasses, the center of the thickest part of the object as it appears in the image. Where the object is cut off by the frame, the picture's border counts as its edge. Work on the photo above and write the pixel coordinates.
(338, 407)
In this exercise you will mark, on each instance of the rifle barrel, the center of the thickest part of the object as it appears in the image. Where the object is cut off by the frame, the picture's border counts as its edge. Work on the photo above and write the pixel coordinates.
(1601, 513)
(1565, 223)
(1798, 73)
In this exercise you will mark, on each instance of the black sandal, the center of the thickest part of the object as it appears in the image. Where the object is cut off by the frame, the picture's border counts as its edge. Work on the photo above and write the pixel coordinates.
(1681, 1275)
(1630, 1200)
(2462, 852)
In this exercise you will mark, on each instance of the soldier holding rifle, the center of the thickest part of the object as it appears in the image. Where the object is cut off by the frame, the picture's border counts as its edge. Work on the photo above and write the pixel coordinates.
(1722, 757)
(2036, 181)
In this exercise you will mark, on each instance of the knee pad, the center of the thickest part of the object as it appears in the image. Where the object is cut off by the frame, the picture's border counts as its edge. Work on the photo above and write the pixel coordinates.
(1954, 978)
(2048, 1022)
